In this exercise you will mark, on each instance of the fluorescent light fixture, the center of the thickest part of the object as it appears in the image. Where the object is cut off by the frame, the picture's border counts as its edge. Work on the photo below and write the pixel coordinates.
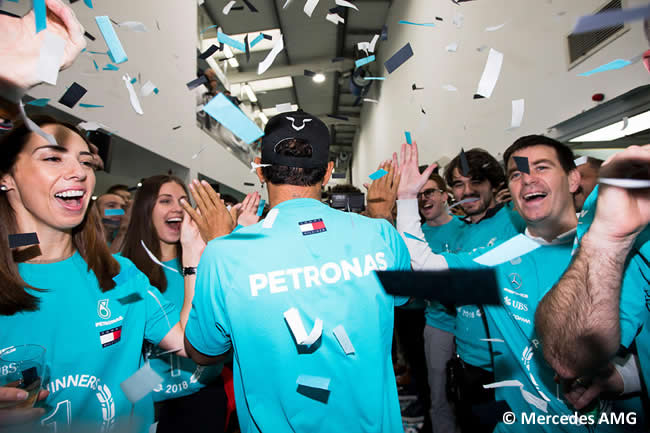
(635, 124)
(319, 78)
(271, 84)
(270, 112)
(249, 92)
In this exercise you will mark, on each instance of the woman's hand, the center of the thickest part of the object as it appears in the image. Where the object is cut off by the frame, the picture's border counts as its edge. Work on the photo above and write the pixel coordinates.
(211, 216)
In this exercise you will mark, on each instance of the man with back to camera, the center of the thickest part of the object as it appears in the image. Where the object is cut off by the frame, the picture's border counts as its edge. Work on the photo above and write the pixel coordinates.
(475, 174)
(304, 265)
(442, 232)
(542, 183)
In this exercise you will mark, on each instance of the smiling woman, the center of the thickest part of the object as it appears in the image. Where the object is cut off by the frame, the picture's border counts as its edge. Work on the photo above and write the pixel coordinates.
(68, 294)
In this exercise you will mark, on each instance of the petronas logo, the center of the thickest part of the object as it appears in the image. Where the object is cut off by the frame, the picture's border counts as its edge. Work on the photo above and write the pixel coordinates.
(102, 309)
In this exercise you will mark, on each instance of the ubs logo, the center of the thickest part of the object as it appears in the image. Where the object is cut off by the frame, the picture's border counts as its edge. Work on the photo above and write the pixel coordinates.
(102, 309)
(515, 281)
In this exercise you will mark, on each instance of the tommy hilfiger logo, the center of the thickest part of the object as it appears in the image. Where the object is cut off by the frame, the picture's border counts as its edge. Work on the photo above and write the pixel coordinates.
(110, 337)
(312, 227)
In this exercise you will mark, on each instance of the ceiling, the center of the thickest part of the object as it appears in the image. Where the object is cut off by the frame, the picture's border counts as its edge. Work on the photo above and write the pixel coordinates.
(309, 43)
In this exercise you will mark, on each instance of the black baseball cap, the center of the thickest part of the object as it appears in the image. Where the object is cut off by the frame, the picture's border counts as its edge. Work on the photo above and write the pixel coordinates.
(296, 125)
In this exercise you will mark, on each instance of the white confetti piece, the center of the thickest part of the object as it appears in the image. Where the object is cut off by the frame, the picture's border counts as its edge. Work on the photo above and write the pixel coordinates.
(140, 383)
(510, 249)
(268, 61)
(50, 58)
(334, 18)
(135, 102)
(310, 5)
(580, 161)
(34, 127)
(343, 339)
(490, 73)
(155, 259)
(135, 26)
(494, 28)
(228, 6)
(292, 316)
(270, 218)
(517, 113)
(449, 88)
(346, 4)
(147, 88)
(452, 48)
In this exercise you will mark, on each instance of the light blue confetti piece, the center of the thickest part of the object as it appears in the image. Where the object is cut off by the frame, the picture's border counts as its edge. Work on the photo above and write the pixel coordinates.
(260, 208)
(40, 15)
(89, 3)
(408, 137)
(134, 80)
(378, 174)
(208, 28)
(410, 236)
(511, 249)
(113, 212)
(374, 78)
(110, 67)
(98, 52)
(90, 106)
(343, 339)
(225, 112)
(313, 381)
(96, 65)
(616, 64)
(224, 38)
(140, 383)
(115, 49)
(256, 40)
(39, 102)
(155, 90)
(417, 24)
(364, 61)
(14, 1)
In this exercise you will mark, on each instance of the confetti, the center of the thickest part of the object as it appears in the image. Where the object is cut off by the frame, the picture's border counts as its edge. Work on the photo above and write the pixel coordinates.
(133, 97)
(225, 112)
(378, 174)
(266, 63)
(23, 240)
(417, 24)
(398, 59)
(343, 339)
(72, 95)
(490, 74)
(50, 58)
(522, 164)
(115, 49)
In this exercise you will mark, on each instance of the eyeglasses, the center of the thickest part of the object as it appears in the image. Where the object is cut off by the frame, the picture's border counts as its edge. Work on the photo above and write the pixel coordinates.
(428, 193)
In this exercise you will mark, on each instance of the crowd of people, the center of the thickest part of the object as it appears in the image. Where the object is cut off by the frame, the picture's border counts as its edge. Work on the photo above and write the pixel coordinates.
(140, 301)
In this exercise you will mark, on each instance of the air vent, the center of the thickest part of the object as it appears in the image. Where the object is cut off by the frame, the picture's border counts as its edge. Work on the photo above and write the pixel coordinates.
(582, 46)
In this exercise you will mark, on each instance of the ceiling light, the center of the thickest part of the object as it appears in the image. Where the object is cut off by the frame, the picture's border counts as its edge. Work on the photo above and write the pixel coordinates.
(616, 130)
(270, 112)
(249, 93)
(319, 78)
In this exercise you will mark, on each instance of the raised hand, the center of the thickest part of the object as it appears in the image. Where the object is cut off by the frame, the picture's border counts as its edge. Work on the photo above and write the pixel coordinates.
(13, 416)
(247, 210)
(382, 192)
(20, 45)
(623, 212)
(411, 180)
(211, 216)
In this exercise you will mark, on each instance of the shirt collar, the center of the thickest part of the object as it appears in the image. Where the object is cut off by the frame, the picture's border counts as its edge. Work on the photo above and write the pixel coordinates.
(488, 214)
(563, 238)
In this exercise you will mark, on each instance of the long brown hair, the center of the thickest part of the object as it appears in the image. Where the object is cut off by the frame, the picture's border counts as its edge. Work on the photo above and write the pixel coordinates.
(87, 237)
(141, 228)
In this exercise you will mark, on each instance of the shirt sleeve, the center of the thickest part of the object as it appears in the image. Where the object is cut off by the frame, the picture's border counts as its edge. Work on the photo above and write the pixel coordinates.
(408, 221)
(208, 327)
(162, 315)
(633, 307)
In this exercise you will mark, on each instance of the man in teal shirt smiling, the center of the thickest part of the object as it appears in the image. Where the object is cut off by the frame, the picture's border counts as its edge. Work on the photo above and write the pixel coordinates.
(296, 298)
(541, 177)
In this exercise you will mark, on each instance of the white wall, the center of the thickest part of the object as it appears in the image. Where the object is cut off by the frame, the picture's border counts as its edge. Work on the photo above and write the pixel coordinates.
(534, 68)
(167, 57)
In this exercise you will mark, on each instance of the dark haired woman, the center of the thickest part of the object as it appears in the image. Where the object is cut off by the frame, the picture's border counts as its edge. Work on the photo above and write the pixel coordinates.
(191, 398)
(89, 310)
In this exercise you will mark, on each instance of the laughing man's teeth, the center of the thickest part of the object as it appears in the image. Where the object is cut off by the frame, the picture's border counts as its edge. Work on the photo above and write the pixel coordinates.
(68, 194)
(174, 220)
(535, 194)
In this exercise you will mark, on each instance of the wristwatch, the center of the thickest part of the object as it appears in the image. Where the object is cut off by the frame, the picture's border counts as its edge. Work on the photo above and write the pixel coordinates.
(189, 270)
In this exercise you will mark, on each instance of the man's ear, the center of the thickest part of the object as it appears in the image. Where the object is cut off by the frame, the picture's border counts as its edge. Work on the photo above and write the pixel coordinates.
(574, 180)
(328, 174)
(258, 170)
